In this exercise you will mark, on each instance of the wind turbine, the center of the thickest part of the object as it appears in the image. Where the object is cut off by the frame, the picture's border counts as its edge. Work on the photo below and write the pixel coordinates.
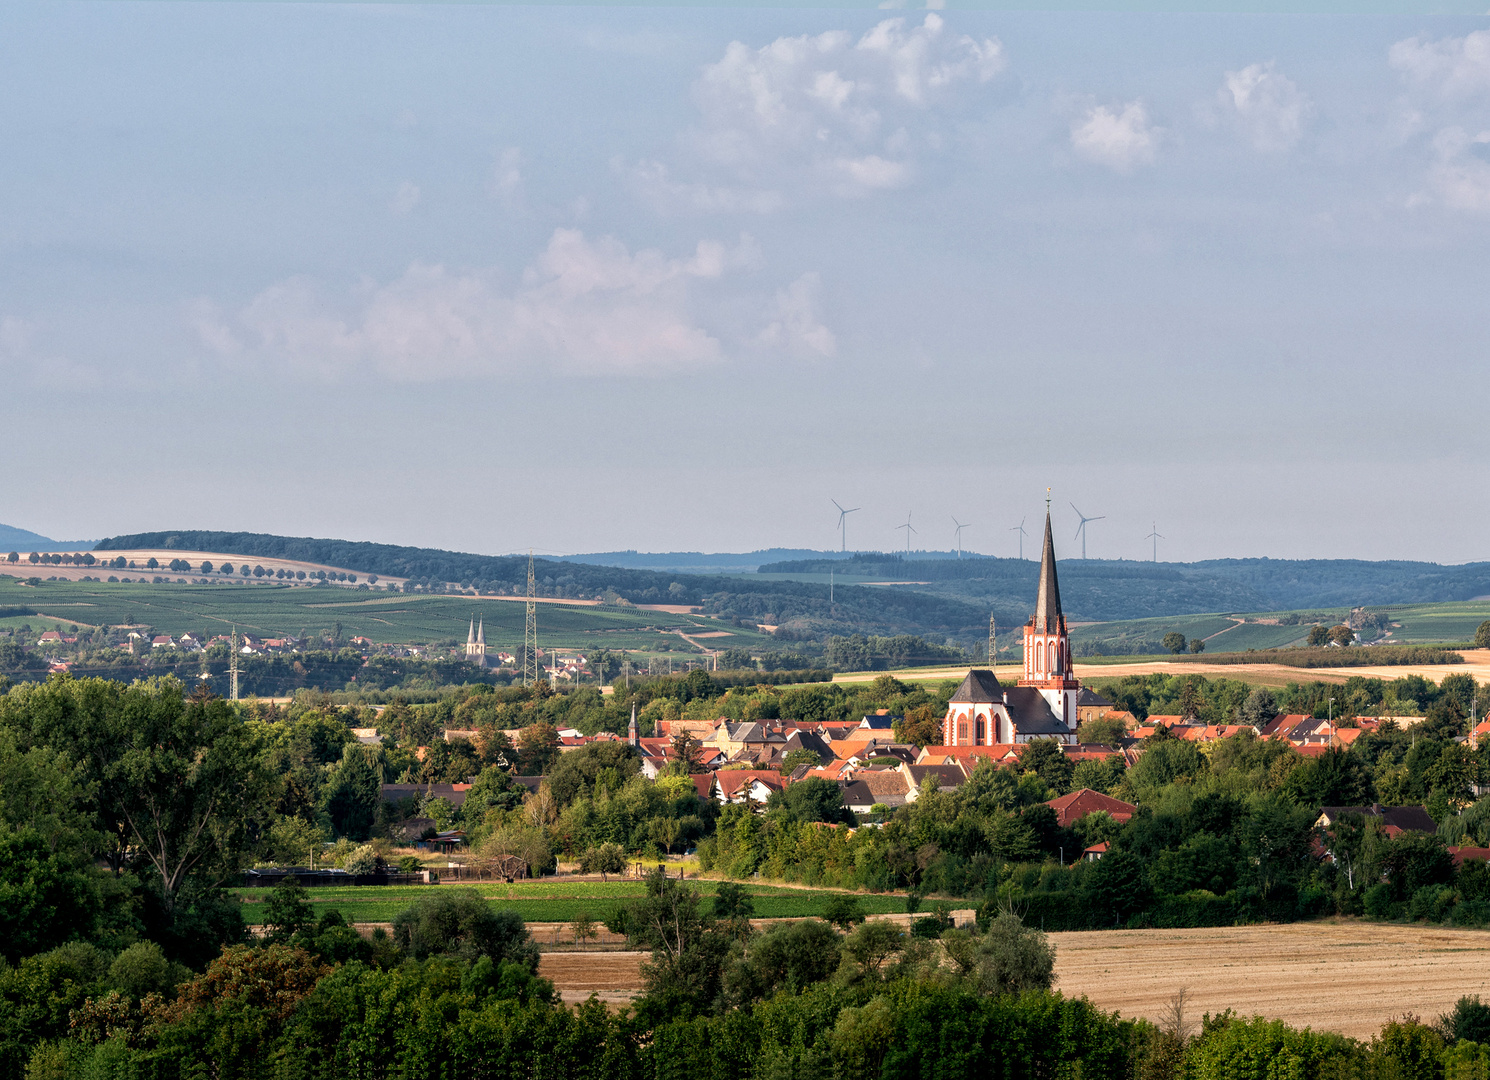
(1022, 534)
(842, 524)
(1081, 529)
(960, 527)
(1155, 536)
(908, 530)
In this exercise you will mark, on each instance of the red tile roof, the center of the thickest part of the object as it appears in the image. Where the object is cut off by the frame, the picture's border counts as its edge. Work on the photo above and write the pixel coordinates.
(1073, 807)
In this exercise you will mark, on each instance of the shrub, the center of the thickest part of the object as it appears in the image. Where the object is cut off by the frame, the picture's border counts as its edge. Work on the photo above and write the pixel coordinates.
(458, 922)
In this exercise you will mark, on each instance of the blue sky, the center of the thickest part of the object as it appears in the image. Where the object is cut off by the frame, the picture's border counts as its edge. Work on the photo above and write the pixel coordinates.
(493, 277)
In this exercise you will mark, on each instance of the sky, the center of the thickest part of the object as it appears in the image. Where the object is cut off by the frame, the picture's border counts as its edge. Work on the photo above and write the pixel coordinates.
(568, 278)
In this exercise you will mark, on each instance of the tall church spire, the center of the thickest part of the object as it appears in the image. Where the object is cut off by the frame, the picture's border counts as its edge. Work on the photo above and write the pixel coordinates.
(1048, 600)
(471, 637)
(631, 732)
(481, 632)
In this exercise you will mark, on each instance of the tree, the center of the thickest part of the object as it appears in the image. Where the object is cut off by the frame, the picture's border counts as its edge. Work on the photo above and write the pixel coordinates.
(1102, 732)
(732, 901)
(685, 976)
(1010, 958)
(1046, 759)
(354, 791)
(538, 745)
(602, 860)
(812, 799)
(1481, 634)
(921, 726)
(1174, 642)
(1341, 635)
(190, 785)
(686, 751)
(458, 922)
(797, 758)
(583, 928)
(791, 956)
(287, 911)
(843, 911)
(601, 766)
(1197, 645)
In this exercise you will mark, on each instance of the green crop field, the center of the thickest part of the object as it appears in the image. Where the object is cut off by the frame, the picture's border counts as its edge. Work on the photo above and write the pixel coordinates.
(1244, 636)
(1438, 622)
(546, 901)
(272, 610)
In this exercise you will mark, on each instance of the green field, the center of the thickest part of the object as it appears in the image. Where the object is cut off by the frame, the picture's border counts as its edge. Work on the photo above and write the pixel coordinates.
(273, 610)
(554, 901)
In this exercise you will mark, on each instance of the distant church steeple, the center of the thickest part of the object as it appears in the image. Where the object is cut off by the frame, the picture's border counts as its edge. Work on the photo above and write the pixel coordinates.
(631, 733)
(476, 643)
(1047, 644)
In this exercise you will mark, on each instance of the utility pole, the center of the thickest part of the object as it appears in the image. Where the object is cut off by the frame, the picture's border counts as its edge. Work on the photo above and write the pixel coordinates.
(530, 631)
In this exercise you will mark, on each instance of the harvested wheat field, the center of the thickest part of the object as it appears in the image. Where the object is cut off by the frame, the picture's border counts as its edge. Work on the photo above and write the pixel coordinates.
(613, 977)
(1346, 976)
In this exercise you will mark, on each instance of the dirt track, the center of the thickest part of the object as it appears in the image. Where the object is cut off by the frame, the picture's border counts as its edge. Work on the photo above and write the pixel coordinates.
(1348, 976)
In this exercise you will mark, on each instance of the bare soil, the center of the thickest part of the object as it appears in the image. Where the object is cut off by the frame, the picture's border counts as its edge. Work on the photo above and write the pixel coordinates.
(1340, 975)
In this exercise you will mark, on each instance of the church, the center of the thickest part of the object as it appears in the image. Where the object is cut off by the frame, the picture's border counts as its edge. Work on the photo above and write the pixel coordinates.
(1043, 705)
(476, 644)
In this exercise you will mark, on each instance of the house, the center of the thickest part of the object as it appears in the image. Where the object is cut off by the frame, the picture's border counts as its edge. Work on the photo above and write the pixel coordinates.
(880, 721)
(1461, 855)
(50, 637)
(1091, 705)
(889, 787)
(747, 785)
(946, 777)
(162, 641)
(454, 794)
(969, 756)
(1395, 820)
(1071, 808)
(1095, 852)
(367, 736)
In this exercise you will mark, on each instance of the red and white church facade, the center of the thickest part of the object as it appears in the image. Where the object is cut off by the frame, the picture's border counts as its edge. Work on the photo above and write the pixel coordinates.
(1043, 704)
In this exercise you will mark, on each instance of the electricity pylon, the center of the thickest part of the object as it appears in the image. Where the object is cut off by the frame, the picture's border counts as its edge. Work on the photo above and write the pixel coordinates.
(530, 632)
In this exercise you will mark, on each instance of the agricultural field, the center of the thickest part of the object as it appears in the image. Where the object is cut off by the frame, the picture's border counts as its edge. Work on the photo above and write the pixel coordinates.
(273, 610)
(1341, 975)
(556, 901)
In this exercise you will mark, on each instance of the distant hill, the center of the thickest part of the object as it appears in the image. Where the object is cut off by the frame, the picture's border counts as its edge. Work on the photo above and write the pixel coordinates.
(696, 562)
(955, 600)
(23, 540)
(1097, 589)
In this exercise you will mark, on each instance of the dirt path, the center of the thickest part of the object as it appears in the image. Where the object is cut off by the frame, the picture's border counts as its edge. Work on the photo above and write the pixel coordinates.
(1345, 976)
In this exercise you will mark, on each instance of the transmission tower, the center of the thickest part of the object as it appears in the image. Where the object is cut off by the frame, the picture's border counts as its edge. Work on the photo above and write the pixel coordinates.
(233, 665)
(992, 646)
(530, 633)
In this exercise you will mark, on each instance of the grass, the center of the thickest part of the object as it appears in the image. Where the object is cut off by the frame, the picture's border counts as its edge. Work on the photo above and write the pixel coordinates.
(272, 610)
(544, 901)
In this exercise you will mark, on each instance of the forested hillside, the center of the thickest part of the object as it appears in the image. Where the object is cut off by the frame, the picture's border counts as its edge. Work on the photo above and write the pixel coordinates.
(1108, 590)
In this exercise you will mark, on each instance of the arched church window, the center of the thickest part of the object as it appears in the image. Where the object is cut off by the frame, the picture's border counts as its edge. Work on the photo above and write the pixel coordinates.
(1039, 658)
(961, 731)
(980, 731)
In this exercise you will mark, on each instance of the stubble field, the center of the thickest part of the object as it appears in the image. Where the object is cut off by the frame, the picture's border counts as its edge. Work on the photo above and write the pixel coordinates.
(1347, 976)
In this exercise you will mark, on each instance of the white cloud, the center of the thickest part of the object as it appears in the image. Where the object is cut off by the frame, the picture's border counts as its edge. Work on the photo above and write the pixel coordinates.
(1461, 176)
(794, 323)
(1454, 67)
(405, 198)
(652, 181)
(1118, 138)
(1268, 106)
(583, 306)
(507, 177)
(835, 113)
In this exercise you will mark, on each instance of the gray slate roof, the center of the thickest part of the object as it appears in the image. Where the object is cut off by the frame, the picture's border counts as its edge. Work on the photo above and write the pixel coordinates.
(980, 687)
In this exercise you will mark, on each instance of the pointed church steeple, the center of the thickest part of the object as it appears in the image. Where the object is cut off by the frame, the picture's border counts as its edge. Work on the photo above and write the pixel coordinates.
(1048, 599)
(471, 637)
(631, 733)
(481, 632)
